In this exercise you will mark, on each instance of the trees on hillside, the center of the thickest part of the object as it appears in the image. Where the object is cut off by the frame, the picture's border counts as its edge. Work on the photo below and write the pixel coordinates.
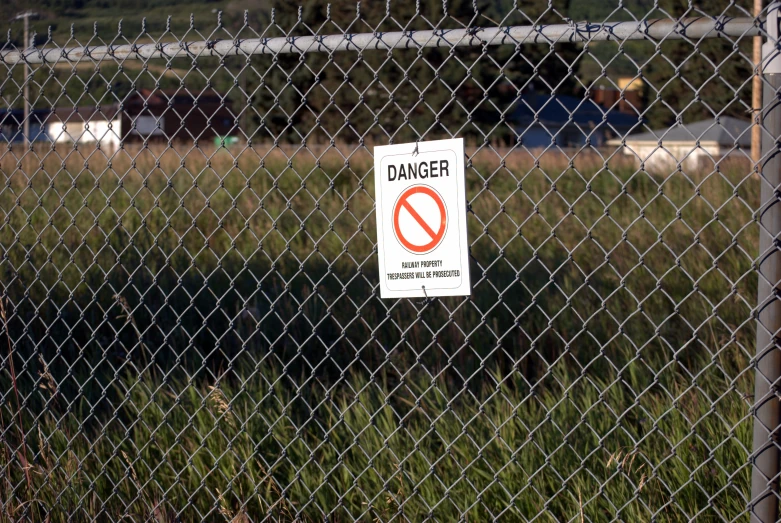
(409, 93)
(403, 94)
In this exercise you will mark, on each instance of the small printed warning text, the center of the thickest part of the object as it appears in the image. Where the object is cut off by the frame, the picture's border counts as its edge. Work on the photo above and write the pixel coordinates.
(422, 264)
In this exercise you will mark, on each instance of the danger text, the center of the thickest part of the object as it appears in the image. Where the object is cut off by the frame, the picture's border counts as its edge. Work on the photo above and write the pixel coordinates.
(422, 170)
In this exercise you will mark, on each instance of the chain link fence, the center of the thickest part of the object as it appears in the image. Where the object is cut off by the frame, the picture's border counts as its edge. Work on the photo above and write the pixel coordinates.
(191, 323)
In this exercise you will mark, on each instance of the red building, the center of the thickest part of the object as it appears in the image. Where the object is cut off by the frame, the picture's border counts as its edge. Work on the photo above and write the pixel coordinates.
(627, 97)
(177, 114)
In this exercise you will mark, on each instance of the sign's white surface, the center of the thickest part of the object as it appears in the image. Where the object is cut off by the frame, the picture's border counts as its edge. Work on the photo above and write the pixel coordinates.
(421, 219)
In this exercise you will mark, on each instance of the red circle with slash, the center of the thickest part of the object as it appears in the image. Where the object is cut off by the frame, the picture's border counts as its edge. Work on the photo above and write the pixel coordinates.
(431, 218)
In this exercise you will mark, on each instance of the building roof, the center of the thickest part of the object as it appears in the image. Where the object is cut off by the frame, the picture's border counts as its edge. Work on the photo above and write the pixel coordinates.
(179, 96)
(84, 114)
(61, 114)
(559, 110)
(158, 97)
(723, 130)
(16, 116)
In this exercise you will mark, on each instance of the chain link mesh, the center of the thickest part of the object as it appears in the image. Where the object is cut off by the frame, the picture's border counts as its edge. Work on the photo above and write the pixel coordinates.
(191, 323)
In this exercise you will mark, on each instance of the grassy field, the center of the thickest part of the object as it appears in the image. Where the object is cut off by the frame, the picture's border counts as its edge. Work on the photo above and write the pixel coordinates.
(196, 333)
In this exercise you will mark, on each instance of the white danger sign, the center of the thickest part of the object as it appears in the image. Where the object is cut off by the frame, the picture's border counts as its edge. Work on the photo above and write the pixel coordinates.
(421, 219)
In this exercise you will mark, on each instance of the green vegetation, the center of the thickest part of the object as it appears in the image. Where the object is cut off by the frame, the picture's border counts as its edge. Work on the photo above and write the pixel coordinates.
(196, 332)
(192, 333)
(278, 445)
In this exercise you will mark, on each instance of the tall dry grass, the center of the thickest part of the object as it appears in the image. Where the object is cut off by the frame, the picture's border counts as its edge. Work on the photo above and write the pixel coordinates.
(197, 334)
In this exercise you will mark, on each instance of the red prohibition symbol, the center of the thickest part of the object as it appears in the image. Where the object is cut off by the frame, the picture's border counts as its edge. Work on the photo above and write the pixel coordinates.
(434, 226)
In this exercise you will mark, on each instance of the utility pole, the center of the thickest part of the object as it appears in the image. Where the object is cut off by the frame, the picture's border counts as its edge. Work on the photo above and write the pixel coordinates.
(26, 92)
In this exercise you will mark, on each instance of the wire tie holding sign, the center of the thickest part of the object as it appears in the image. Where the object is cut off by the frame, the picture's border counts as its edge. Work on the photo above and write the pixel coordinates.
(426, 300)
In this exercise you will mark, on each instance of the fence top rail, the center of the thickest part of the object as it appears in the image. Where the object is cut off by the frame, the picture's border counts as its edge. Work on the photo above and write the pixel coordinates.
(653, 30)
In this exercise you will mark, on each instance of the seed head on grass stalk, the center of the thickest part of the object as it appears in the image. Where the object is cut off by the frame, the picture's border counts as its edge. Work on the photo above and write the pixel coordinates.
(20, 425)
(128, 315)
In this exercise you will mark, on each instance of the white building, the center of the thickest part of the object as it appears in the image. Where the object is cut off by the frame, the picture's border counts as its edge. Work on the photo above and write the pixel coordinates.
(86, 125)
(692, 144)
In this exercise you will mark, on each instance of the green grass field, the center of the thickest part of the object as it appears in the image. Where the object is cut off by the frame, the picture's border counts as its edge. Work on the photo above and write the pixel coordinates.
(198, 335)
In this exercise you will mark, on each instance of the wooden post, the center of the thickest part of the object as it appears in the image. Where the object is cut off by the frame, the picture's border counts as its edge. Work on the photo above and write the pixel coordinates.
(756, 93)
(767, 408)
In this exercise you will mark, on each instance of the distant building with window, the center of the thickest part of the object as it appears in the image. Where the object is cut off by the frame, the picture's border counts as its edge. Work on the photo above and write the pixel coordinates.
(706, 140)
(177, 115)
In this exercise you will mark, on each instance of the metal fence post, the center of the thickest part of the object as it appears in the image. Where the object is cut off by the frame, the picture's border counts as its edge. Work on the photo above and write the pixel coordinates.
(767, 413)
